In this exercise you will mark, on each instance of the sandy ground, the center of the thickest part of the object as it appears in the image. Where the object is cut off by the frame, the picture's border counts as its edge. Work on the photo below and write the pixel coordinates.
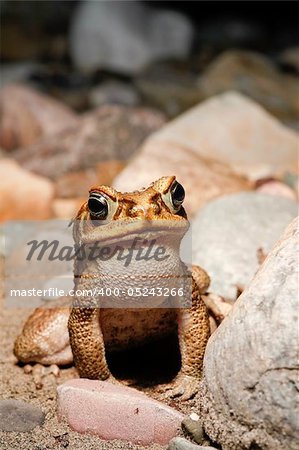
(18, 385)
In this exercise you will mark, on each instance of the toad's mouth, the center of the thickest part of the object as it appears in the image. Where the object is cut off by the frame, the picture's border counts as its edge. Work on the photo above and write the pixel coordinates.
(134, 231)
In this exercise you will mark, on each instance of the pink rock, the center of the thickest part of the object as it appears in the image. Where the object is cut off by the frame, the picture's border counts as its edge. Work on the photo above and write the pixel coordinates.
(277, 188)
(110, 133)
(116, 412)
(27, 115)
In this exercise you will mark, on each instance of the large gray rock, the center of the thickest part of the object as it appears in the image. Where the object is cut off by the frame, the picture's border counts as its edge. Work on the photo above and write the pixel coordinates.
(249, 397)
(112, 35)
(228, 232)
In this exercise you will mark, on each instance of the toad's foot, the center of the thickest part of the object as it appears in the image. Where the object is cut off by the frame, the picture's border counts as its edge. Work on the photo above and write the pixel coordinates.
(217, 306)
(39, 372)
(184, 386)
(113, 380)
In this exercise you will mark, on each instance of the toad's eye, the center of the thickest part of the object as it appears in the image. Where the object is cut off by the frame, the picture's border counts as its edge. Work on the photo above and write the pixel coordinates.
(177, 195)
(98, 206)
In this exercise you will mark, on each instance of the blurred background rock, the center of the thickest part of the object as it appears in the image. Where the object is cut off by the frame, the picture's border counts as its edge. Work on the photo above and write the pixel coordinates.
(86, 83)
(165, 54)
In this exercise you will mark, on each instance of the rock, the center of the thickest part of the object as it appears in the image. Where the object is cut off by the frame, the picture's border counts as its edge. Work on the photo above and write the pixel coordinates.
(27, 115)
(248, 139)
(55, 287)
(229, 31)
(202, 179)
(18, 45)
(179, 443)
(292, 180)
(65, 84)
(289, 58)
(113, 92)
(254, 75)
(2, 240)
(28, 265)
(168, 88)
(23, 194)
(108, 170)
(228, 232)
(274, 187)
(16, 72)
(194, 429)
(249, 395)
(19, 416)
(109, 35)
(28, 31)
(109, 133)
(116, 412)
(66, 208)
(76, 184)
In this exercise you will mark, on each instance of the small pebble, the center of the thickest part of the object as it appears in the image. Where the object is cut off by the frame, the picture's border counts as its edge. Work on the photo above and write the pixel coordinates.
(16, 415)
(179, 443)
(194, 416)
(194, 429)
(27, 368)
(277, 188)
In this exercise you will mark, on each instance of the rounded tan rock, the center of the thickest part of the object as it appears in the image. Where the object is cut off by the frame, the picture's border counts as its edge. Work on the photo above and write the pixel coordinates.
(24, 195)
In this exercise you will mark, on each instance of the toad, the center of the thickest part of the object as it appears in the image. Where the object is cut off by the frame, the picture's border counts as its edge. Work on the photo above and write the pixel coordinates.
(97, 324)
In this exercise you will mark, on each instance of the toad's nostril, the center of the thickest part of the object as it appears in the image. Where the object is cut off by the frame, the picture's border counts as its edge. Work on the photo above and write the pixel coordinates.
(147, 211)
(136, 211)
(156, 209)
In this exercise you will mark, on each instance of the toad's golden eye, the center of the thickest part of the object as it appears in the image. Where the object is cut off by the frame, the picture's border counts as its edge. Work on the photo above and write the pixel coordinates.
(177, 195)
(174, 197)
(98, 206)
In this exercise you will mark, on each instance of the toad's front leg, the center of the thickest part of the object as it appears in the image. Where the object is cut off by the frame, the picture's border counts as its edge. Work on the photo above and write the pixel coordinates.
(87, 343)
(194, 332)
